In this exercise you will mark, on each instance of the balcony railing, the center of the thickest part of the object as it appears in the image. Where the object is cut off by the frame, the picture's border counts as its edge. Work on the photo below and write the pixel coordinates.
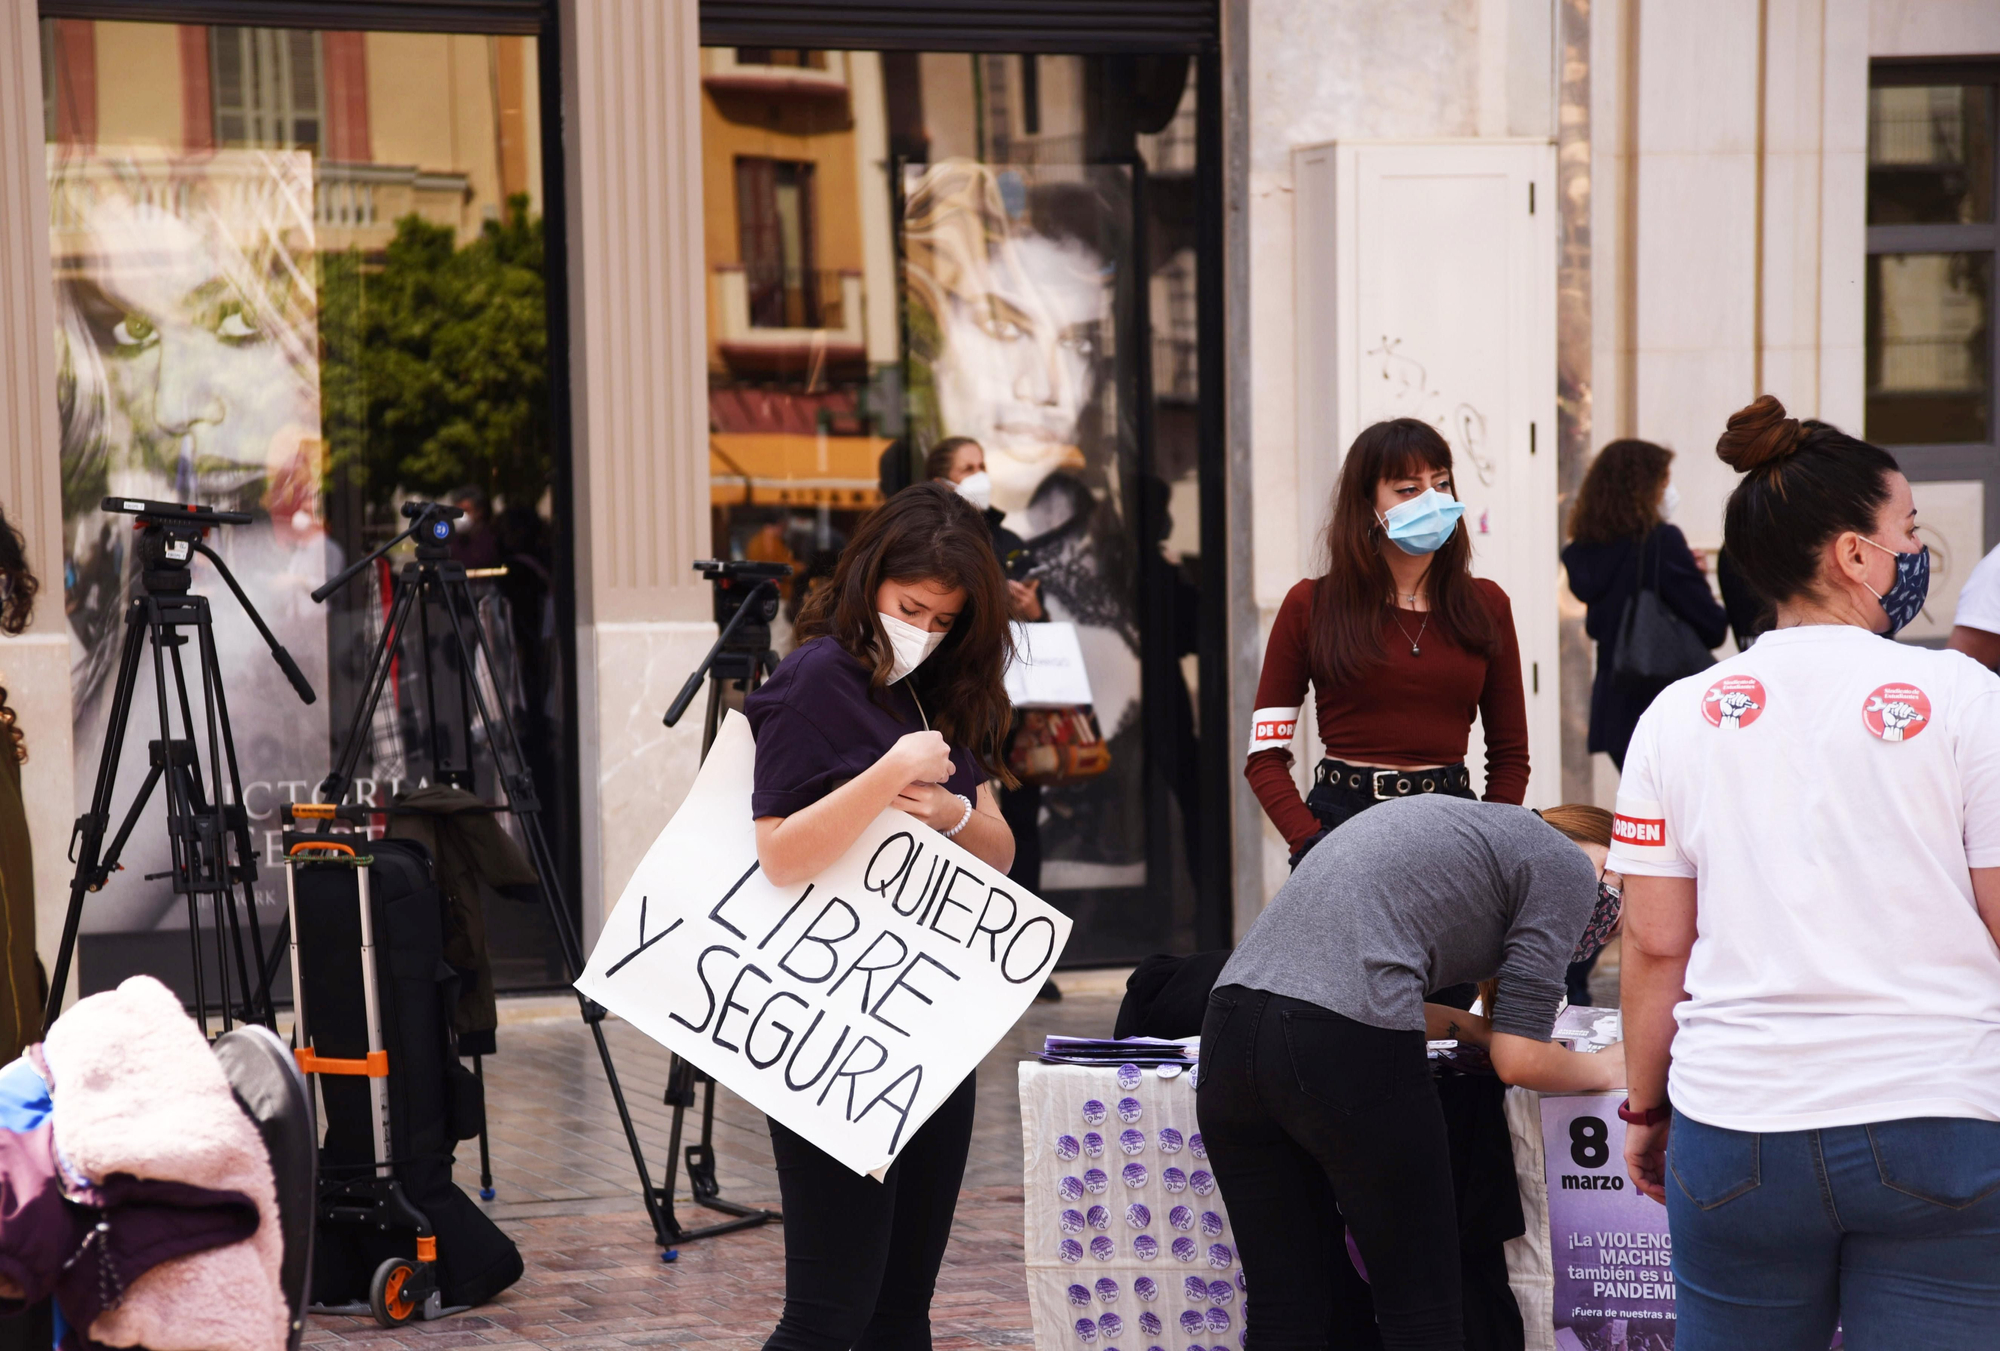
(771, 315)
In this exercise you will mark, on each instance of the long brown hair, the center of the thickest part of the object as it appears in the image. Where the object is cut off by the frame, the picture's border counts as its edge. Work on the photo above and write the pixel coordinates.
(1619, 497)
(1346, 631)
(18, 585)
(928, 532)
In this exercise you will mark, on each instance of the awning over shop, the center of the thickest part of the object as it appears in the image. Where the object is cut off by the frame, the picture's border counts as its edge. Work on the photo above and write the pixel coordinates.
(789, 469)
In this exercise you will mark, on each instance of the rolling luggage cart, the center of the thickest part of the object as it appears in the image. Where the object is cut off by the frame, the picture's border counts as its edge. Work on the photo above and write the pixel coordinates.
(402, 1288)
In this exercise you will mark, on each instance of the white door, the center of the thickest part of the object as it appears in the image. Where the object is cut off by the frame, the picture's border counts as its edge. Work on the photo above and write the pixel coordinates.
(1427, 289)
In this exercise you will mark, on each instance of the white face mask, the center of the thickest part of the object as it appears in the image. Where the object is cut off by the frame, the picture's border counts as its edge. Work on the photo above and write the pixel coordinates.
(1670, 502)
(909, 644)
(977, 489)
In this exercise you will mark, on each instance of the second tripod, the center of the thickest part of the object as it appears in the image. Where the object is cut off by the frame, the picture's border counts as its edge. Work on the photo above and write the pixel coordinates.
(433, 593)
(746, 601)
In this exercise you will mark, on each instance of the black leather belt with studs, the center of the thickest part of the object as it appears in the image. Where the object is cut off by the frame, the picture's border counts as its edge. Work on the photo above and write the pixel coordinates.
(1382, 784)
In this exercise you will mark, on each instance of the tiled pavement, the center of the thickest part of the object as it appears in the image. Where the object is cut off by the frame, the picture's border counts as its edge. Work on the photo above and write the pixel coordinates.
(567, 1194)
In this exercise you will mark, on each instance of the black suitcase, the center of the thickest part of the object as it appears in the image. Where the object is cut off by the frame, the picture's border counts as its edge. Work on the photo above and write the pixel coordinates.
(449, 1253)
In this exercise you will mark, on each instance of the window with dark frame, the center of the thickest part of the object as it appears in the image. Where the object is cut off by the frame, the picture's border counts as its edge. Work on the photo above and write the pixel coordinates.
(268, 87)
(775, 226)
(1933, 163)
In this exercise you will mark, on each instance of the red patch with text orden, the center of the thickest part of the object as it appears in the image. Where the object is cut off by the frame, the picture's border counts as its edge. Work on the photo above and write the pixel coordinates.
(1643, 832)
(1896, 712)
(1734, 701)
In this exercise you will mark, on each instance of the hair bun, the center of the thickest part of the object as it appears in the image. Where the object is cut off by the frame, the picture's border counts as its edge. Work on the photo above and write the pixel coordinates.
(1759, 435)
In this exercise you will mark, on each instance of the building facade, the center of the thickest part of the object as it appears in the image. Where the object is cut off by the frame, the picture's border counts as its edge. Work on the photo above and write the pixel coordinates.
(649, 282)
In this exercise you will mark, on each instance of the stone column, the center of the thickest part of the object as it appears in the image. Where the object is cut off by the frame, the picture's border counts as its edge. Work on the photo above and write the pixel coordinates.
(638, 390)
(35, 666)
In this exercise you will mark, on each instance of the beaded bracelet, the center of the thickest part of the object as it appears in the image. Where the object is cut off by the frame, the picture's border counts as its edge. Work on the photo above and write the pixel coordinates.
(952, 834)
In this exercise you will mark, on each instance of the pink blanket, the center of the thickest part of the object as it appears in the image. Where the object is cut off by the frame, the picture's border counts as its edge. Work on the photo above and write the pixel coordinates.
(138, 1091)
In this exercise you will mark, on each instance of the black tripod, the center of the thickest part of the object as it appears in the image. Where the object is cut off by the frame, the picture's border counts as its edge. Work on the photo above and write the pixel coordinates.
(746, 600)
(208, 829)
(433, 588)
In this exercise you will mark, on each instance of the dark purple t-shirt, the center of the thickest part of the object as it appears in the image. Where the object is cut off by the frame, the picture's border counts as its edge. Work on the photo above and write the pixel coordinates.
(817, 727)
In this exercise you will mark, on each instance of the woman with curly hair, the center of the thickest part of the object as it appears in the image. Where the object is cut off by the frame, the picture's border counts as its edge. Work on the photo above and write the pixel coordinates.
(1619, 531)
(20, 970)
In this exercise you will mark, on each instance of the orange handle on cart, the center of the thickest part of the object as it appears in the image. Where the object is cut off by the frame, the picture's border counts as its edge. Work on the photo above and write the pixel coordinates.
(376, 1066)
(332, 846)
(312, 811)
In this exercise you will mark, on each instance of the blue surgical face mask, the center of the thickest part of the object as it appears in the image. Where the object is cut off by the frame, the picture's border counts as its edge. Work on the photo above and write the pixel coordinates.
(1422, 524)
(1905, 597)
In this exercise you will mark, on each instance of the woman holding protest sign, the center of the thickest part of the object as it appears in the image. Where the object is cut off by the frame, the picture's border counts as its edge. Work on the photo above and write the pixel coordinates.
(1316, 1099)
(894, 698)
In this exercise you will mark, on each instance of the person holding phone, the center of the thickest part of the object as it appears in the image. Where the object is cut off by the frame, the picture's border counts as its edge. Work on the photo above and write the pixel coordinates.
(894, 698)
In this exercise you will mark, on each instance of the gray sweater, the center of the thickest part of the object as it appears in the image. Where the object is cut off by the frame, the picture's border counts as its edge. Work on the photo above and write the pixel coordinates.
(1418, 894)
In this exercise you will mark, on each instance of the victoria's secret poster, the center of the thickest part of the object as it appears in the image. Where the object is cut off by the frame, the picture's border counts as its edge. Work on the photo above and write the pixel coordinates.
(187, 351)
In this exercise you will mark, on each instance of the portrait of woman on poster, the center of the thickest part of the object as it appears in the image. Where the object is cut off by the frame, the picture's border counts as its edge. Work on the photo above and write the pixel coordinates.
(1017, 279)
(188, 371)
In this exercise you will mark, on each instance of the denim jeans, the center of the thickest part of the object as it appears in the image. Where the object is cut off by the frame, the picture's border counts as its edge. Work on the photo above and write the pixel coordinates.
(1891, 1230)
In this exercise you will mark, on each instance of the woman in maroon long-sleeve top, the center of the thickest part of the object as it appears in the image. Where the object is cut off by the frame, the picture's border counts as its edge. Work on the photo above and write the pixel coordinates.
(1402, 647)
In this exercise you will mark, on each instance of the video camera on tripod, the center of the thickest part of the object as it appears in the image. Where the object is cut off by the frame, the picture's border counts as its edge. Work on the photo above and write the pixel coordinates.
(746, 601)
(208, 827)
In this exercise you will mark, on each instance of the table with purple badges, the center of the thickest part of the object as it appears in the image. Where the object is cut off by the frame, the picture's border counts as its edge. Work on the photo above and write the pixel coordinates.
(1128, 1246)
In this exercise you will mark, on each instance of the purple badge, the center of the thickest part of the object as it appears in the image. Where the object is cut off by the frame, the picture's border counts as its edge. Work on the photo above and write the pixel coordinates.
(1192, 1322)
(1066, 1147)
(1218, 1321)
(1132, 1141)
(1070, 1250)
(1242, 1282)
(1195, 1288)
(1202, 1182)
(1220, 1292)
(1128, 1077)
(1149, 1322)
(1103, 1249)
(1111, 1325)
(1107, 1289)
(1220, 1256)
(1174, 1178)
(1070, 1221)
(1069, 1188)
(1180, 1217)
(1138, 1216)
(1135, 1174)
(1211, 1224)
(1184, 1249)
(1170, 1141)
(1146, 1290)
(1086, 1331)
(1098, 1218)
(1093, 1113)
(1093, 1144)
(1195, 1146)
(1095, 1181)
(1243, 1337)
(1145, 1248)
(1129, 1110)
(1079, 1295)
(1194, 1075)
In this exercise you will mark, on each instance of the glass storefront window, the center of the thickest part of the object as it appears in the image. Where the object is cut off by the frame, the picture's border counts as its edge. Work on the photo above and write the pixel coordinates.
(906, 247)
(1930, 367)
(300, 274)
(1930, 154)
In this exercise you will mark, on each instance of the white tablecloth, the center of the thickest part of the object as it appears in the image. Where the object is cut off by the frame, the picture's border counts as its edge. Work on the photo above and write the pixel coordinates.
(1128, 1244)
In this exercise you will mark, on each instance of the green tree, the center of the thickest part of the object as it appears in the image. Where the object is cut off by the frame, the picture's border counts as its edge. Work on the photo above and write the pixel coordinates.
(434, 361)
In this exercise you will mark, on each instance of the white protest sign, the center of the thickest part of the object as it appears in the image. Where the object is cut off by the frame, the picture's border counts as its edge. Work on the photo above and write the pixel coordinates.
(848, 1007)
(1047, 670)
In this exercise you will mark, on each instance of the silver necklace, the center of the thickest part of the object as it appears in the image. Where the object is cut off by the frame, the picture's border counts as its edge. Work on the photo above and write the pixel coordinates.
(1415, 651)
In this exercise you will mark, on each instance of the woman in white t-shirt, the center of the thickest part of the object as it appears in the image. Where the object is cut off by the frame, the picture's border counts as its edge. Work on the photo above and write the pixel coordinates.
(1810, 837)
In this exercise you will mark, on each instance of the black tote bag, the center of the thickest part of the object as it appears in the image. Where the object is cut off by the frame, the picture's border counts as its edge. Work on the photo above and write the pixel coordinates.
(1656, 647)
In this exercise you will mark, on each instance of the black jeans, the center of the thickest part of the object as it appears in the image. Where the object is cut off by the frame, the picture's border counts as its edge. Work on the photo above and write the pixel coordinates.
(861, 1256)
(1314, 1122)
